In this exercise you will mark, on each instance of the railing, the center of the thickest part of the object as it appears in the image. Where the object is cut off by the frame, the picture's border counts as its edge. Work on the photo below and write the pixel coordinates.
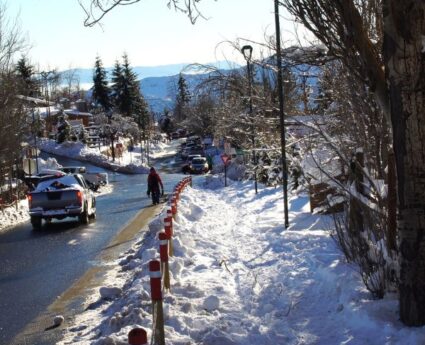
(159, 273)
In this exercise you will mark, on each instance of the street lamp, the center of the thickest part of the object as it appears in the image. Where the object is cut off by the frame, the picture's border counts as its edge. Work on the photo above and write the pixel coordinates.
(281, 113)
(34, 132)
(247, 54)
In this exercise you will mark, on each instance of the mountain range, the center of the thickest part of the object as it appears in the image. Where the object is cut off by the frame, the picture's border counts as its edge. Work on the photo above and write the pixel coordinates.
(158, 83)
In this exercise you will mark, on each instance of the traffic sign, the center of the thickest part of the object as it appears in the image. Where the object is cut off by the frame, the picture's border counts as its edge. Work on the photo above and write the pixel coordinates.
(225, 158)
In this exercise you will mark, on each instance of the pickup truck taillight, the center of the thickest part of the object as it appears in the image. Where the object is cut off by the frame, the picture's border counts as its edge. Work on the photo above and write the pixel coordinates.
(80, 197)
(29, 197)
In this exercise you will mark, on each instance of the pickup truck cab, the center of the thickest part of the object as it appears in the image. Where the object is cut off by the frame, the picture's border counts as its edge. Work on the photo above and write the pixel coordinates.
(61, 197)
(95, 178)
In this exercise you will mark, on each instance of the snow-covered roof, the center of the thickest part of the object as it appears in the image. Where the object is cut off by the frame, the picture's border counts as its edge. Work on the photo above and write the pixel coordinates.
(75, 112)
(36, 101)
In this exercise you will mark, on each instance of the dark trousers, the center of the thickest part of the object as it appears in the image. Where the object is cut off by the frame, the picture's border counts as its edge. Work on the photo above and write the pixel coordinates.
(155, 197)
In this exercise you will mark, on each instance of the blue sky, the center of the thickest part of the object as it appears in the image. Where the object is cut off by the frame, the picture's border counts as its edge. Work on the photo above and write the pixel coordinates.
(148, 31)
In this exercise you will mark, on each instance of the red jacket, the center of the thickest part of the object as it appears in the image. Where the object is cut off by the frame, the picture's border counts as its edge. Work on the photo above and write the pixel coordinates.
(154, 182)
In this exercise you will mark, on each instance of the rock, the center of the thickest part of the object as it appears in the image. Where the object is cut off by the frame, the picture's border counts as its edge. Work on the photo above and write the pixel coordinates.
(58, 320)
(109, 292)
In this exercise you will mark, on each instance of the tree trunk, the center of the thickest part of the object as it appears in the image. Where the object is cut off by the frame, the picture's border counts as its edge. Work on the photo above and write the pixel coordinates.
(392, 204)
(405, 67)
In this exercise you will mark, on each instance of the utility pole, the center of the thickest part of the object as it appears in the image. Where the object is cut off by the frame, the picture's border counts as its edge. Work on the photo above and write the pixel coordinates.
(281, 113)
(247, 53)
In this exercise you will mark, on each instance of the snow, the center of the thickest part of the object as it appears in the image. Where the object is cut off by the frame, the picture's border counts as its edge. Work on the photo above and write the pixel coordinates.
(67, 181)
(130, 162)
(239, 277)
(10, 216)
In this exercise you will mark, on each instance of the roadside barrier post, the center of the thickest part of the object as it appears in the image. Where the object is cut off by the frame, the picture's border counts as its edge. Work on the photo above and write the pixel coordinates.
(137, 336)
(174, 207)
(157, 308)
(168, 227)
(176, 195)
(163, 253)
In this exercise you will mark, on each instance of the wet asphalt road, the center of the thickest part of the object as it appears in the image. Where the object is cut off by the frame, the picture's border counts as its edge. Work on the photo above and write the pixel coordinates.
(36, 267)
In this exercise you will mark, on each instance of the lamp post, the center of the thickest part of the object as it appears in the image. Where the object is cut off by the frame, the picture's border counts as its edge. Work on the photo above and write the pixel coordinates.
(281, 113)
(247, 53)
(34, 130)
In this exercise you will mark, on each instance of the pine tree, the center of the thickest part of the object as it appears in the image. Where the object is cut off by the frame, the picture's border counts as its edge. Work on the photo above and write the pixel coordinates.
(182, 99)
(25, 72)
(117, 82)
(126, 86)
(101, 90)
(142, 116)
(127, 97)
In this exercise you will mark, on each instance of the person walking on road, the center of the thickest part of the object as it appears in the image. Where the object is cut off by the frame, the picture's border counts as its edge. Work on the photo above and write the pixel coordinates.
(155, 186)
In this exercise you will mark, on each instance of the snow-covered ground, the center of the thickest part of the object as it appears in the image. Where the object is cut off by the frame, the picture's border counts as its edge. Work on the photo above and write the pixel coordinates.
(239, 278)
(13, 215)
(129, 162)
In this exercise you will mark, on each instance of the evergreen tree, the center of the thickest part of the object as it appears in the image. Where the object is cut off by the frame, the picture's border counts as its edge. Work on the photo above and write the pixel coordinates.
(117, 82)
(25, 72)
(127, 97)
(126, 86)
(142, 116)
(182, 99)
(101, 91)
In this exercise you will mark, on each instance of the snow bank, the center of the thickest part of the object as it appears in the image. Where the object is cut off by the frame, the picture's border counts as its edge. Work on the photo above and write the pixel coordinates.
(11, 216)
(79, 151)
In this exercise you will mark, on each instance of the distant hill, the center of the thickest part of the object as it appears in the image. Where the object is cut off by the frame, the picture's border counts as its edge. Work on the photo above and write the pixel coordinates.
(160, 92)
(85, 75)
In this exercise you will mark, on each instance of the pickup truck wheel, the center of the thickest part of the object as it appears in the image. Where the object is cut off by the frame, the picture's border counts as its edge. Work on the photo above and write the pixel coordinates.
(84, 217)
(36, 223)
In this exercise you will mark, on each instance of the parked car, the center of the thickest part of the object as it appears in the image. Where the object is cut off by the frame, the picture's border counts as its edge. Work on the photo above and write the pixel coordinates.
(186, 169)
(191, 149)
(195, 139)
(61, 197)
(94, 178)
(199, 165)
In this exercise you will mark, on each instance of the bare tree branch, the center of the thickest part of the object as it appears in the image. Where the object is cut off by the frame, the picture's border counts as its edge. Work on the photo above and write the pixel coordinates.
(96, 10)
(339, 25)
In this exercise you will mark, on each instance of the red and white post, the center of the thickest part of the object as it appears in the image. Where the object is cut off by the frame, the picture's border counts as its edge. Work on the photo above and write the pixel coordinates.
(174, 207)
(168, 227)
(157, 308)
(163, 253)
